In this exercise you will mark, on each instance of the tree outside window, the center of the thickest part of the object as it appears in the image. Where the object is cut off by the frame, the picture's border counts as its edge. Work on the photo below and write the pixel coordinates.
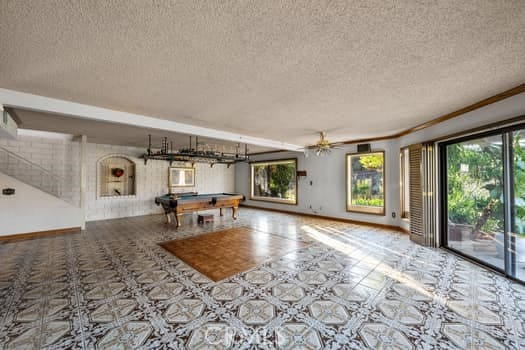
(365, 183)
(274, 181)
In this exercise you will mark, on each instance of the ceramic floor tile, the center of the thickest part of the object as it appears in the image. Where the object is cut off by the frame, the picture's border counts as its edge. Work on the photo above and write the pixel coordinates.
(348, 287)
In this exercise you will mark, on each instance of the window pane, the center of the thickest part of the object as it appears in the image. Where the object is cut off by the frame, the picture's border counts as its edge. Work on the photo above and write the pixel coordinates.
(475, 199)
(366, 183)
(274, 181)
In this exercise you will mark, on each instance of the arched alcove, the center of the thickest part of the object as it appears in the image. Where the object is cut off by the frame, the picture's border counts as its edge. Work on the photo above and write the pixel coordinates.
(116, 176)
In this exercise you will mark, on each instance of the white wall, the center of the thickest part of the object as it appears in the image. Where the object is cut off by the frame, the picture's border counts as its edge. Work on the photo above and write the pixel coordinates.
(506, 109)
(56, 153)
(61, 156)
(30, 210)
(152, 181)
(327, 194)
(509, 108)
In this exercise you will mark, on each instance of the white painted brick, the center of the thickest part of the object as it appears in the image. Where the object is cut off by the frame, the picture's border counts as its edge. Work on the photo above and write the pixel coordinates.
(63, 158)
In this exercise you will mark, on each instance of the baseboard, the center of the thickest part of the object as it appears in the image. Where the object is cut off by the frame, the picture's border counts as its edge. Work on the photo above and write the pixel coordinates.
(405, 230)
(348, 221)
(39, 234)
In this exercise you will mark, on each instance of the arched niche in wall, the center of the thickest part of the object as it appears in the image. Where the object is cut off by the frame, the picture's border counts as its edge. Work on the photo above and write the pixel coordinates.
(116, 176)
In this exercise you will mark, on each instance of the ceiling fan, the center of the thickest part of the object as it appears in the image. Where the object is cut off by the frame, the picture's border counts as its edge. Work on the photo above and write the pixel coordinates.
(323, 147)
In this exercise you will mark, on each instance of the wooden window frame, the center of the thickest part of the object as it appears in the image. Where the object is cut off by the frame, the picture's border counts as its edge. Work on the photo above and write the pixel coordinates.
(363, 209)
(272, 199)
(171, 185)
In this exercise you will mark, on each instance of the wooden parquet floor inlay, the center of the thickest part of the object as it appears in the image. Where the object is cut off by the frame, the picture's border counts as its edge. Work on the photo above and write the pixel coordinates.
(222, 254)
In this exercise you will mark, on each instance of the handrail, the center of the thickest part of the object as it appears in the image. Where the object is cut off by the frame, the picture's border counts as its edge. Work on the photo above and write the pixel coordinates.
(62, 179)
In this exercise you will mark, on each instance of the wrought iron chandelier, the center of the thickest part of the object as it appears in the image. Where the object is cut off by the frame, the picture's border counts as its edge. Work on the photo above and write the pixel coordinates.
(198, 154)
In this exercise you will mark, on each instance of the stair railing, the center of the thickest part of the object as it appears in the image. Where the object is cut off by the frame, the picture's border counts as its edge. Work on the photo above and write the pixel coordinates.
(31, 173)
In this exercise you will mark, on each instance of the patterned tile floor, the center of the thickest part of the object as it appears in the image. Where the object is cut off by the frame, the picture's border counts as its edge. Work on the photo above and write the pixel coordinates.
(354, 287)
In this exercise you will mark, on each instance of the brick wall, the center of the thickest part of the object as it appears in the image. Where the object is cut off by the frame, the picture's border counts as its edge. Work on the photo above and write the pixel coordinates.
(151, 181)
(58, 155)
(62, 157)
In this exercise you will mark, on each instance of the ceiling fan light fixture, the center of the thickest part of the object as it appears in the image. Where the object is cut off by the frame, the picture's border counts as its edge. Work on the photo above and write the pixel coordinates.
(321, 151)
(323, 147)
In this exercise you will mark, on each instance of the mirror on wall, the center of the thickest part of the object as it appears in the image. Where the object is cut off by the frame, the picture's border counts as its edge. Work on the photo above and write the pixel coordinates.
(181, 177)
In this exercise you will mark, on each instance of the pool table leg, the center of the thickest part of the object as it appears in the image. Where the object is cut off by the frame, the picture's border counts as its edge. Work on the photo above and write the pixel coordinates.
(220, 212)
(234, 212)
(178, 218)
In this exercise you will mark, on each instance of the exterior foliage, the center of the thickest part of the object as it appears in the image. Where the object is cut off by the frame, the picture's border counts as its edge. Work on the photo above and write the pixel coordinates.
(367, 180)
(281, 178)
(475, 184)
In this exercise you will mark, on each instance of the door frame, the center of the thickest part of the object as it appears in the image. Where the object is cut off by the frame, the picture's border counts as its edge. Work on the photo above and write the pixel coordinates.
(508, 182)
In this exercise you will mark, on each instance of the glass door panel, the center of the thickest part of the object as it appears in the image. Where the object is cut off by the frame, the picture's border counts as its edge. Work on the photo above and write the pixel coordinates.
(517, 234)
(474, 199)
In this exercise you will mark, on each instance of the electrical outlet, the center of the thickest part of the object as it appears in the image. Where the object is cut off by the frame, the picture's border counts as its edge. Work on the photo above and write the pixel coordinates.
(393, 214)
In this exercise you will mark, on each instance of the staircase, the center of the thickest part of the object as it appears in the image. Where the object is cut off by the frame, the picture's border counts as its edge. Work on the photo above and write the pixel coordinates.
(35, 175)
(43, 203)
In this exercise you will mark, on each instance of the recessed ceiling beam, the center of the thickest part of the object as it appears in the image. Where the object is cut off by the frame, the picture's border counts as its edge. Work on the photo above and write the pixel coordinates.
(17, 99)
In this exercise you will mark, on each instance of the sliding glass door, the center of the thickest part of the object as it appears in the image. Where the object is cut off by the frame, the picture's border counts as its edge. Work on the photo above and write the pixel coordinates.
(483, 191)
(517, 198)
(475, 212)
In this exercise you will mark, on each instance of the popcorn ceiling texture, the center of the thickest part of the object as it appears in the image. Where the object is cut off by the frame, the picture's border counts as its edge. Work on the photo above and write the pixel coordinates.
(280, 70)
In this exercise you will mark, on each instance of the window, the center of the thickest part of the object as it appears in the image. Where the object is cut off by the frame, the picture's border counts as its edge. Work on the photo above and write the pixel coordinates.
(274, 181)
(405, 182)
(366, 182)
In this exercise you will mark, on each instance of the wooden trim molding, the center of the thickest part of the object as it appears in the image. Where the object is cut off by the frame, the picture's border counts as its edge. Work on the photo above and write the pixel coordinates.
(493, 99)
(485, 102)
(484, 128)
(348, 221)
(38, 234)
(364, 210)
(405, 230)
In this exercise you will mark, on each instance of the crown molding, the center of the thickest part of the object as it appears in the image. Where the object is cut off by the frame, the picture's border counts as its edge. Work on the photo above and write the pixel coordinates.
(485, 102)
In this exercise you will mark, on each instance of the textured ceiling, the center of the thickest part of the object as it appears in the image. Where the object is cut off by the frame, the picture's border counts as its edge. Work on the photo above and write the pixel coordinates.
(115, 134)
(282, 70)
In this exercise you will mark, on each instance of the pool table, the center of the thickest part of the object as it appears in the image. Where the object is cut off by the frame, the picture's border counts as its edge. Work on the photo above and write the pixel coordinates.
(179, 204)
